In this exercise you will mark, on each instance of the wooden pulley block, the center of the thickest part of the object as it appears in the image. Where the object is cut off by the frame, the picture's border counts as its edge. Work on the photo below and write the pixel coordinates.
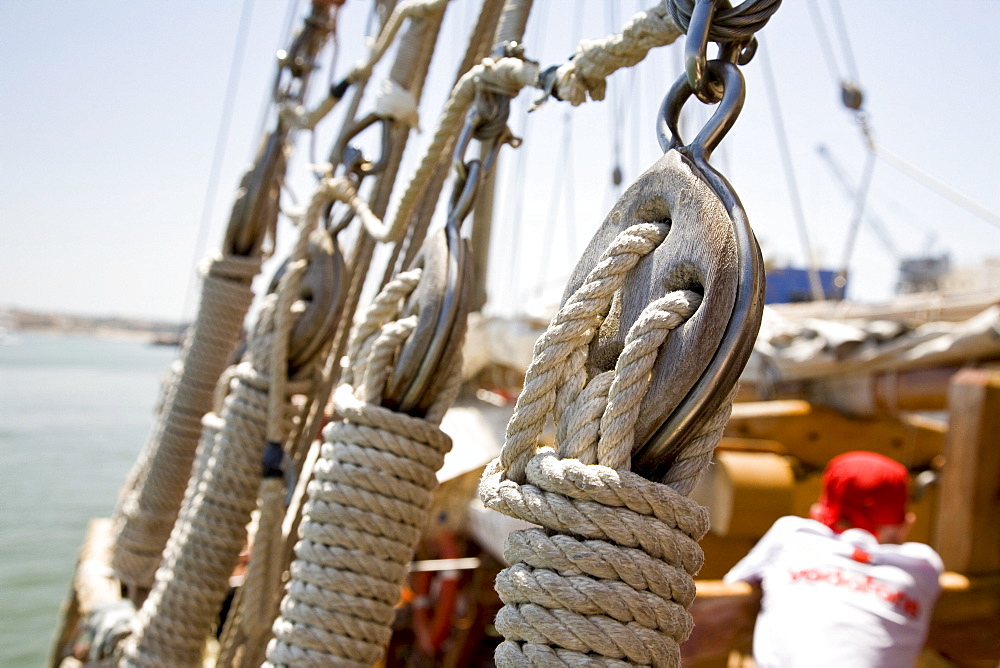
(319, 301)
(440, 302)
(255, 210)
(709, 249)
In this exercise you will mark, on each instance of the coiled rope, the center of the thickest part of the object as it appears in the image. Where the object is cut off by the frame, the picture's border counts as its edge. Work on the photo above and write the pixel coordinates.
(149, 503)
(368, 503)
(155, 487)
(608, 578)
(204, 546)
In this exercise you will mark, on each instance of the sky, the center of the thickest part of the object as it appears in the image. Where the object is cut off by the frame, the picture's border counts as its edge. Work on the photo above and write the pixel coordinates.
(112, 114)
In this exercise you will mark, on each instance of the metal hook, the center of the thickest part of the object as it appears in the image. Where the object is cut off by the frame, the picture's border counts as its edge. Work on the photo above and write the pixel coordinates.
(463, 196)
(708, 139)
(709, 249)
(653, 458)
(353, 157)
(470, 174)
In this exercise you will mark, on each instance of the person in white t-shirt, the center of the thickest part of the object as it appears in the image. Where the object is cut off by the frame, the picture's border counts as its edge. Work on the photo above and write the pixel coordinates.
(842, 588)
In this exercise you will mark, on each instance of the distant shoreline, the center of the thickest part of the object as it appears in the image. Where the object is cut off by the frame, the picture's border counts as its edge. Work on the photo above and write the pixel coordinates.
(108, 327)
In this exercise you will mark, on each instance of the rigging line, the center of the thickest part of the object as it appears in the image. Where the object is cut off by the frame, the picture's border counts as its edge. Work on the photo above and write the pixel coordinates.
(537, 28)
(878, 226)
(786, 158)
(565, 173)
(617, 105)
(330, 75)
(859, 212)
(917, 220)
(267, 100)
(636, 98)
(824, 42)
(937, 186)
(845, 42)
(555, 188)
(515, 182)
(569, 192)
(221, 139)
(632, 159)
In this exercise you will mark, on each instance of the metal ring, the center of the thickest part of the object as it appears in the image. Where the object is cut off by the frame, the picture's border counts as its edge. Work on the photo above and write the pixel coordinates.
(353, 158)
(449, 333)
(463, 196)
(696, 49)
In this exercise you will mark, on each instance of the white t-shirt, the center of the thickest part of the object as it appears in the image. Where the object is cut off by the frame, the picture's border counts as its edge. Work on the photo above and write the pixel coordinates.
(838, 600)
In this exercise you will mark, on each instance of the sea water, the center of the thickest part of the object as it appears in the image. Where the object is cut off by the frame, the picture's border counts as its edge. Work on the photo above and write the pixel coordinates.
(74, 413)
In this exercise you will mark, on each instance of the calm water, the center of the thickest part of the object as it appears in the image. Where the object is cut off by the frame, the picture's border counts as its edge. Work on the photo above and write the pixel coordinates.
(74, 412)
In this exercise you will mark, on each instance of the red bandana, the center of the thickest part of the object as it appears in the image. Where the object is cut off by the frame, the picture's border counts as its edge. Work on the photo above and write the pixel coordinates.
(865, 489)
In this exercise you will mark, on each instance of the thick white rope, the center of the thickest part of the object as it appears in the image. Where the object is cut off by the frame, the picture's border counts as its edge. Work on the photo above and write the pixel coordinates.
(193, 579)
(368, 503)
(595, 60)
(397, 103)
(255, 606)
(150, 501)
(608, 579)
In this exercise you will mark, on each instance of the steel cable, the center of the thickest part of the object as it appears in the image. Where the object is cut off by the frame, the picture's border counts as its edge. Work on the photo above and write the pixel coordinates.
(732, 24)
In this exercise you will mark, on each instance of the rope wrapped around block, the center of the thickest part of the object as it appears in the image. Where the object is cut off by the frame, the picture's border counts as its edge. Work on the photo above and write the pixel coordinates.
(368, 503)
(193, 579)
(150, 503)
(608, 578)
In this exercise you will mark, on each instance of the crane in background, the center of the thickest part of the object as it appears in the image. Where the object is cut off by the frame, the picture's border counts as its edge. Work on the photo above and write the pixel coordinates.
(920, 273)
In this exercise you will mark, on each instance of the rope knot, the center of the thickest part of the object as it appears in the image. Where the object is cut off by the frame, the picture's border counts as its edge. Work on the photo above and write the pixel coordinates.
(506, 76)
(369, 501)
(586, 73)
(397, 103)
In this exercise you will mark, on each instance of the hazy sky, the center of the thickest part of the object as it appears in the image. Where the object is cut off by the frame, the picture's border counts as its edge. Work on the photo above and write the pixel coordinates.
(112, 110)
